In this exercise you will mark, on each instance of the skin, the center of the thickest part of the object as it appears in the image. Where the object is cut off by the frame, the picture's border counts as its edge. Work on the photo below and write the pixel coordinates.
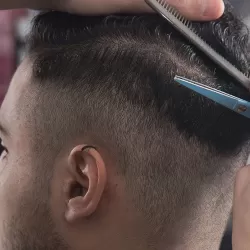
(85, 167)
(15, 211)
(95, 171)
(241, 210)
(192, 9)
(73, 199)
(60, 200)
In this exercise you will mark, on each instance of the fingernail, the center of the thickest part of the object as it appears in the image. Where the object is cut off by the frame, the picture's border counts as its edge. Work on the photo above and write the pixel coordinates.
(213, 8)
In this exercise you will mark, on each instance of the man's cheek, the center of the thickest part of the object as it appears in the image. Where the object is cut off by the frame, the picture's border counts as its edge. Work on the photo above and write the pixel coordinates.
(14, 183)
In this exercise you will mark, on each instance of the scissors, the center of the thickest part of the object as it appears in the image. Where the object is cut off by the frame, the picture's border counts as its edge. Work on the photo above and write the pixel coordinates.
(231, 102)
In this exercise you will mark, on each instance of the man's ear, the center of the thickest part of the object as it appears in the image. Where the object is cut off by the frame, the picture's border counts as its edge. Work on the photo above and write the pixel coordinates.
(85, 189)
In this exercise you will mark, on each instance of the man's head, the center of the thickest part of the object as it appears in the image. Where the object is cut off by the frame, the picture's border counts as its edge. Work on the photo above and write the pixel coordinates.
(104, 149)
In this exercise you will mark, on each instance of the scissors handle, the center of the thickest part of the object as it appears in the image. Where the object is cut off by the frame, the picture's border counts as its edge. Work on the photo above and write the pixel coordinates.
(243, 107)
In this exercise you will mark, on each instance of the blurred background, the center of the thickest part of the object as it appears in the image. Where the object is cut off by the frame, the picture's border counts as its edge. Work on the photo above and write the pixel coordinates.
(14, 26)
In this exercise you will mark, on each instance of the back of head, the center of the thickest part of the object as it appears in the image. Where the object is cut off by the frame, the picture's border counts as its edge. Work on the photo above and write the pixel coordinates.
(113, 78)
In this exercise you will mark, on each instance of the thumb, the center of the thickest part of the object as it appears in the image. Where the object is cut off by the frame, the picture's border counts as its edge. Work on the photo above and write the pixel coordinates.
(202, 10)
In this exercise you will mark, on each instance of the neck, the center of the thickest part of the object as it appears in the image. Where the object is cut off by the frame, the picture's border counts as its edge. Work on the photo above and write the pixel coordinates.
(208, 218)
(208, 233)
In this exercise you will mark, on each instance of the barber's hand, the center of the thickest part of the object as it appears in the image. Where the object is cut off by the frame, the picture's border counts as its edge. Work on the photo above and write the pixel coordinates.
(241, 211)
(192, 9)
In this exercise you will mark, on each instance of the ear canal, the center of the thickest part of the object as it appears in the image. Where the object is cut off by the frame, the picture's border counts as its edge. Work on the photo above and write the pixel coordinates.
(76, 190)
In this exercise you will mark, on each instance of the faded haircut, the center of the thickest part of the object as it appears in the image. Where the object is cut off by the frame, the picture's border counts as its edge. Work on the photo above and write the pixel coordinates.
(110, 80)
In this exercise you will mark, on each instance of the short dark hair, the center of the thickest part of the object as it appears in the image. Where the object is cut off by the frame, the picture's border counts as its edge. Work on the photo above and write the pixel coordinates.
(111, 79)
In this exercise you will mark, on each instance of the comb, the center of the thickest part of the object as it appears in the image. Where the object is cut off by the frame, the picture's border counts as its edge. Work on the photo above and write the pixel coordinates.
(184, 26)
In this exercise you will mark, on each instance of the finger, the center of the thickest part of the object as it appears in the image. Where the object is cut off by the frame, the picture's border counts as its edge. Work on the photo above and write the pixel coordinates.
(242, 182)
(104, 7)
(202, 10)
(192, 9)
(241, 210)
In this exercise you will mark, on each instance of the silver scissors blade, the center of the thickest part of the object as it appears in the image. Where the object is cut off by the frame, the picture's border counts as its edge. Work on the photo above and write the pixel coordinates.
(229, 101)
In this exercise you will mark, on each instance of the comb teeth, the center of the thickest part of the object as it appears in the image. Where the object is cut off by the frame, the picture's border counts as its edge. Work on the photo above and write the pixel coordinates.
(184, 26)
(175, 13)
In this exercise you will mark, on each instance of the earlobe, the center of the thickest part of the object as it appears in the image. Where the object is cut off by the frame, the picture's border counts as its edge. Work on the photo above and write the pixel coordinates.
(88, 183)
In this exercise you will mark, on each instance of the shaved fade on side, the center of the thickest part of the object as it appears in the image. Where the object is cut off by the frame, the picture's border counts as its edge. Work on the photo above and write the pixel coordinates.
(110, 81)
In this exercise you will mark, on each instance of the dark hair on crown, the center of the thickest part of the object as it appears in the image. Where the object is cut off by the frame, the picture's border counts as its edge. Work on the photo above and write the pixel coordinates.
(141, 55)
